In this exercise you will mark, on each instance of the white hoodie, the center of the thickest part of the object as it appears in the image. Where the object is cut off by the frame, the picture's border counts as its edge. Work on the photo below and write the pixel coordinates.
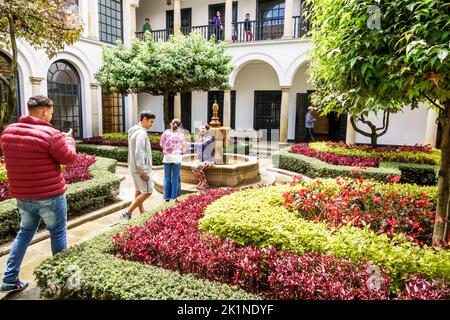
(139, 150)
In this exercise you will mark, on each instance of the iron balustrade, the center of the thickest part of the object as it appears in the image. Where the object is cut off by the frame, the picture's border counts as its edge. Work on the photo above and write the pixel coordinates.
(256, 30)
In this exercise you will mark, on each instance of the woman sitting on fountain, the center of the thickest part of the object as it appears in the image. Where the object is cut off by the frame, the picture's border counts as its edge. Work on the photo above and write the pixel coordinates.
(204, 147)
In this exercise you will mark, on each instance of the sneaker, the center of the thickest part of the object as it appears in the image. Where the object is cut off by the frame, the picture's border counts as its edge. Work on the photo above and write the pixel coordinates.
(14, 287)
(125, 216)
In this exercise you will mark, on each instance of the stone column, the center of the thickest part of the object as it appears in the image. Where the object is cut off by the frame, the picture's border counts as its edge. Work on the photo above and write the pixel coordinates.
(92, 20)
(284, 116)
(176, 17)
(94, 109)
(227, 108)
(229, 20)
(351, 133)
(133, 6)
(177, 107)
(134, 109)
(36, 85)
(432, 128)
(288, 21)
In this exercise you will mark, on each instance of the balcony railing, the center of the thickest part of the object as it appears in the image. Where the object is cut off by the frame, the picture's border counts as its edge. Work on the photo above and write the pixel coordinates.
(256, 30)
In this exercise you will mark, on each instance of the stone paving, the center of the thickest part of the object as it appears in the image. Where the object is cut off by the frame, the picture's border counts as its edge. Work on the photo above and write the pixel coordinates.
(40, 251)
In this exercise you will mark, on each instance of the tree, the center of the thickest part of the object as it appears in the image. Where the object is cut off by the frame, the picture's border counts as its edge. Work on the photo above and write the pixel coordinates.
(43, 24)
(386, 57)
(183, 64)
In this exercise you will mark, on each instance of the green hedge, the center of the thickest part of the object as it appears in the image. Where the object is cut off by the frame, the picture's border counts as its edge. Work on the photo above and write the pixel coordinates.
(256, 217)
(421, 174)
(102, 276)
(118, 153)
(102, 189)
(315, 168)
(239, 148)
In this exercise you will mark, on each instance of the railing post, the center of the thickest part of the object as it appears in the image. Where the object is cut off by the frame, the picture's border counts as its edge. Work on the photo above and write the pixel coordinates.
(288, 23)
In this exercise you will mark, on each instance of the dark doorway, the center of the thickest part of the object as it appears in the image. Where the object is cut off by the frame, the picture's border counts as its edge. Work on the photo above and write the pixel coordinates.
(267, 111)
(186, 109)
(186, 20)
(212, 10)
(331, 127)
(270, 19)
(219, 96)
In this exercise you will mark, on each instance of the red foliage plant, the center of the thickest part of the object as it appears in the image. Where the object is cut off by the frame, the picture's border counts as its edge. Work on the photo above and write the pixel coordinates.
(172, 240)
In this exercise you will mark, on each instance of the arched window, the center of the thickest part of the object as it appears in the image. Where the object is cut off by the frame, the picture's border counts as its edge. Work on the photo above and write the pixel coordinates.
(277, 11)
(5, 70)
(64, 88)
(271, 16)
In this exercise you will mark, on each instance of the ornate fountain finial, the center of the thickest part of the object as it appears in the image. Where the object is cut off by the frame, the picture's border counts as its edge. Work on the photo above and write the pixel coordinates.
(215, 121)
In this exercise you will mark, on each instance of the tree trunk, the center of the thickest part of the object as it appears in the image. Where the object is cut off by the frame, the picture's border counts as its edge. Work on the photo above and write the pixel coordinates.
(440, 233)
(166, 110)
(374, 139)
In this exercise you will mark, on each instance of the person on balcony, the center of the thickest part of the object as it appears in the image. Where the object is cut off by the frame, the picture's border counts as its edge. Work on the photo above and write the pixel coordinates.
(147, 26)
(248, 28)
(218, 25)
(173, 143)
(204, 148)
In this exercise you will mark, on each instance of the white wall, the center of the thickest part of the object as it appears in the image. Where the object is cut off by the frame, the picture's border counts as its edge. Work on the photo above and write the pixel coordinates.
(155, 104)
(257, 76)
(405, 128)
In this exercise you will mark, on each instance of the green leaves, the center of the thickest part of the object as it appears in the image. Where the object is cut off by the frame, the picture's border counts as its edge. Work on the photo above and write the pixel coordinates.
(182, 64)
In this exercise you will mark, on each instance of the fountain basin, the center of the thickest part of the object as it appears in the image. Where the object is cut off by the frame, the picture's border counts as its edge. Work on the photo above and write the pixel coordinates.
(238, 170)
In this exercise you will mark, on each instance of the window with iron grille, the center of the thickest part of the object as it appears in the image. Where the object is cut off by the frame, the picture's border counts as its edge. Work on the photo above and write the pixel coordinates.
(64, 89)
(5, 70)
(113, 112)
(110, 20)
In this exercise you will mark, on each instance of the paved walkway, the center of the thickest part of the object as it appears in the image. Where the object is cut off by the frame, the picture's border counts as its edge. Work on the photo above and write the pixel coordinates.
(40, 251)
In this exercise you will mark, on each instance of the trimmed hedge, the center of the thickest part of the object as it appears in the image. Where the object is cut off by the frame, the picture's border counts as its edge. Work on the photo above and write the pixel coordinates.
(103, 276)
(256, 218)
(118, 153)
(102, 189)
(239, 148)
(421, 174)
(315, 168)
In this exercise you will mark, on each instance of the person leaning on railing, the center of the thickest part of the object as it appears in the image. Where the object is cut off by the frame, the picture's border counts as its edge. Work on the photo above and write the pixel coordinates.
(248, 28)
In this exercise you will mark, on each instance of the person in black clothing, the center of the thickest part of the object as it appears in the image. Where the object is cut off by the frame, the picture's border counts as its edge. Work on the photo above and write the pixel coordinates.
(248, 28)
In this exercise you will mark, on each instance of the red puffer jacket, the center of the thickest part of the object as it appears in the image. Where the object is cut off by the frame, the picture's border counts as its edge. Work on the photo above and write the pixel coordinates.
(34, 152)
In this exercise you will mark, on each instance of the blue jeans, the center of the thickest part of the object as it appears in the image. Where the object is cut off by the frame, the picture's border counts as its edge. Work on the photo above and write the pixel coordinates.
(54, 213)
(172, 183)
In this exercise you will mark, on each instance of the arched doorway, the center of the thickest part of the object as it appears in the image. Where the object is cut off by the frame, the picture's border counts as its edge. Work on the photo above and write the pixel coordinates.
(64, 89)
(5, 70)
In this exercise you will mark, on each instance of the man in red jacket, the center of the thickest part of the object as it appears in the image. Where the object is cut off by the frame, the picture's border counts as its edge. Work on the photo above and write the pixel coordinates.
(34, 152)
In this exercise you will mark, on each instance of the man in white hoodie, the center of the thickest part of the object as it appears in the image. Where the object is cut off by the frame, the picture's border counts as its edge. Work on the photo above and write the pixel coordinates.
(140, 162)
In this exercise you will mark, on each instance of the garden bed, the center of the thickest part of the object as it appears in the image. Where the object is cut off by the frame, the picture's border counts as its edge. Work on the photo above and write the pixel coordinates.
(82, 197)
(422, 174)
(103, 276)
(255, 230)
(118, 153)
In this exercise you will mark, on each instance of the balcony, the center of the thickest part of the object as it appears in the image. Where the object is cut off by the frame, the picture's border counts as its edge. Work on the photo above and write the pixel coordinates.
(258, 30)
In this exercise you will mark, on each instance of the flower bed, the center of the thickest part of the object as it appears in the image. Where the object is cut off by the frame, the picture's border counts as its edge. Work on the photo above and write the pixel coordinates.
(84, 196)
(417, 154)
(336, 159)
(172, 240)
(75, 172)
(315, 168)
(386, 208)
(121, 140)
(256, 218)
(103, 276)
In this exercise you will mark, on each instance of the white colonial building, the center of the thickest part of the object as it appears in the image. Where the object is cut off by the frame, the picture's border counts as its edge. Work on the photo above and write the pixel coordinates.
(269, 88)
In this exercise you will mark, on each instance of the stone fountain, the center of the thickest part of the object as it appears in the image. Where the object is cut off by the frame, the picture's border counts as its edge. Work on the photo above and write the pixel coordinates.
(230, 170)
